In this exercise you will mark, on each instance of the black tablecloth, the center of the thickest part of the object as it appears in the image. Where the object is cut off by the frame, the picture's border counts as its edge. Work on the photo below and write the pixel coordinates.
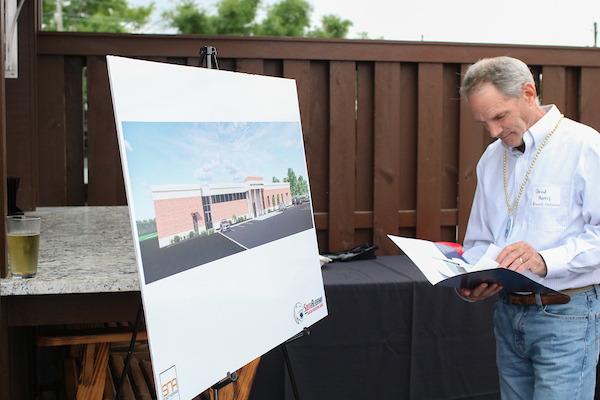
(389, 335)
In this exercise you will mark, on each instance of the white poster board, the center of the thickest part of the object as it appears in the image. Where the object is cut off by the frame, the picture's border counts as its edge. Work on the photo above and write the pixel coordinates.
(236, 272)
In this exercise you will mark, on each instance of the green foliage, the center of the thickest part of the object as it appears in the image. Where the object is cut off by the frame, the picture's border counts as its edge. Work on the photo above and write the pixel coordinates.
(275, 179)
(95, 16)
(292, 180)
(298, 186)
(234, 17)
(146, 227)
(332, 27)
(286, 18)
(188, 18)
(237, 17)
(365, 36)
(302, 186)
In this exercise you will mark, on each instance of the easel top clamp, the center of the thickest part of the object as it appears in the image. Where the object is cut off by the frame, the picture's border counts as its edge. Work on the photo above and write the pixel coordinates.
(208, 57)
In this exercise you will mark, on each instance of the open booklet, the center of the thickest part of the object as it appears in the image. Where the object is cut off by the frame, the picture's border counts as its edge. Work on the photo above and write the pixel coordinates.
(444, 266)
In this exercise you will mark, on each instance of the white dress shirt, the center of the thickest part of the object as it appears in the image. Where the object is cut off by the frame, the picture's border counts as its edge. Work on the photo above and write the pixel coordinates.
(559, 210)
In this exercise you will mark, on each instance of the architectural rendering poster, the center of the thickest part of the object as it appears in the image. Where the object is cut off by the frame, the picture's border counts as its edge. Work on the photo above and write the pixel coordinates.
(221, 216)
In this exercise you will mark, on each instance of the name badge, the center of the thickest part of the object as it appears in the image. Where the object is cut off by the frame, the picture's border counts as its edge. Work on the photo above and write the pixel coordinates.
(546, 197)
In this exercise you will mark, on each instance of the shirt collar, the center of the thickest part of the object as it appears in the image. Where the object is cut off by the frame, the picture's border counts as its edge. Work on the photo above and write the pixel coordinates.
(536, 134)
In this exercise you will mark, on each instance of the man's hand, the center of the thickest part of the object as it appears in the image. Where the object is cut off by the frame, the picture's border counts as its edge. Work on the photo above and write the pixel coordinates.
(521, 257)
(481, 292)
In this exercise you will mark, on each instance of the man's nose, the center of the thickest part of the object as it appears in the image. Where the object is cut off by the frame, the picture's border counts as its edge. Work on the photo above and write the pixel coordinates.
(495, 129)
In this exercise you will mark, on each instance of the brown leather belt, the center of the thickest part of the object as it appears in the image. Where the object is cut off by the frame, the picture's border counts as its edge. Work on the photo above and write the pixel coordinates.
(529, 299)
(562, 298)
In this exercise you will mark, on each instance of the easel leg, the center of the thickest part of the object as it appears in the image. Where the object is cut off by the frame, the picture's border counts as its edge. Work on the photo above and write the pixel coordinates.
(230, 379)
(130, 352)
(288, 363)
(290, 372)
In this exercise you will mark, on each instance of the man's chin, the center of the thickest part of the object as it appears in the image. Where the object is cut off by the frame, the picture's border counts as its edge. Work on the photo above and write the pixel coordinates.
(510, 141)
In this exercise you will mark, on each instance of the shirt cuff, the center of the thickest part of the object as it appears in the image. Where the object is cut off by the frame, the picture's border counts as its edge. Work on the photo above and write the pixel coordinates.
(556, 262)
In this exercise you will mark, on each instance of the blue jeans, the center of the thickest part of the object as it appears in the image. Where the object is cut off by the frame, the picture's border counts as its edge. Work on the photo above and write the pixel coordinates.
(548, 352)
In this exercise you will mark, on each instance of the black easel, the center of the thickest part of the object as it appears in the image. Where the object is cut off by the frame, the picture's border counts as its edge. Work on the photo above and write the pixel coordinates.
(230, 379)
(208, 54)
(286, 356)
(130, 352)
(208, 57)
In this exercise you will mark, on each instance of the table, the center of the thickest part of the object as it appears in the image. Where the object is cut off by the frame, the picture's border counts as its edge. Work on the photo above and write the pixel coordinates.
(389, 335)
(86, 273)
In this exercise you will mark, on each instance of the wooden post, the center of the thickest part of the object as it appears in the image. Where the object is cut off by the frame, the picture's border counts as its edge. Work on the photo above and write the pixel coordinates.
(3, 198)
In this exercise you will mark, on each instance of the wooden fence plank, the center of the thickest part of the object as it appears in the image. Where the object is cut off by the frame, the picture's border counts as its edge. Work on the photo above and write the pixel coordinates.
(429, 151)
(3, 207)
(316, 142)
(471, 146)
(554, 87)
(105, 185)
(342, 184)
(250, 66)
(387, 175)
(573, 79)
(21, 115)
(590, 97)
(450, 150)
(52, 150)
(273, 68)
(407, 151)
(363, 216)
(300, 71)
(74, 130)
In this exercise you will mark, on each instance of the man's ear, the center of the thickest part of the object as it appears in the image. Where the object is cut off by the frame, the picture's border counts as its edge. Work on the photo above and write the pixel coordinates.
(528, 93)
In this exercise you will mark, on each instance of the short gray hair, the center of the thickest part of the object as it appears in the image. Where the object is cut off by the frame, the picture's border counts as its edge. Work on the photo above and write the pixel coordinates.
(507, 74)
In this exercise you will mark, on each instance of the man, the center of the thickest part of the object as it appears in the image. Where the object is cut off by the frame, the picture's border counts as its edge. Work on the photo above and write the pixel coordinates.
(537, 198)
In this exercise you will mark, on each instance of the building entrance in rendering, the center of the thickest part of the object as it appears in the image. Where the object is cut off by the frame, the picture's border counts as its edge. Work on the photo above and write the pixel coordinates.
(207, 212)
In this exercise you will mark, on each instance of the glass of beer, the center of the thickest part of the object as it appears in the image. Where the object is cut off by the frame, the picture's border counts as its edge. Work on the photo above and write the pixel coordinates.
(23, 237)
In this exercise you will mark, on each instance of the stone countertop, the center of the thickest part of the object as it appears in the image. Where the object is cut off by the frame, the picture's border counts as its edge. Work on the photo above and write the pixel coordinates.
(82, 250)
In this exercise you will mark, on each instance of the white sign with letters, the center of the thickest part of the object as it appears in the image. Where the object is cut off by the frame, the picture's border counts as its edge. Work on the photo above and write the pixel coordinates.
(238, 270)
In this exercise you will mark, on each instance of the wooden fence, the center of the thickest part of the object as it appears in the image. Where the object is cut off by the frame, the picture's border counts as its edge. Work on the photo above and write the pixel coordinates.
(390, 147)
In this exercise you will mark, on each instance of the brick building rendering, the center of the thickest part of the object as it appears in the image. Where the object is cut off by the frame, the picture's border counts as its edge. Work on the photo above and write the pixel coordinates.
(182, 209)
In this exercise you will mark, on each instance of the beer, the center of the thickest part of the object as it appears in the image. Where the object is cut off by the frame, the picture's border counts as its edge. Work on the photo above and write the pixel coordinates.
(23, 237)
(23, 252)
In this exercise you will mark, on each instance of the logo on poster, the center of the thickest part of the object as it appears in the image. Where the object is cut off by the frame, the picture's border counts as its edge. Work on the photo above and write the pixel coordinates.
(298, 313)
(168, 382)
(301, 310)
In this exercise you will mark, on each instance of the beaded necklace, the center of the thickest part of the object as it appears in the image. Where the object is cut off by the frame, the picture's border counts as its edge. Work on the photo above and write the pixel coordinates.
(511, 210)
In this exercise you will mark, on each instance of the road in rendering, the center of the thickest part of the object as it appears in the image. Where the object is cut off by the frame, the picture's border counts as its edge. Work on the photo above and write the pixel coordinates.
(259, 231)
(159, 263)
